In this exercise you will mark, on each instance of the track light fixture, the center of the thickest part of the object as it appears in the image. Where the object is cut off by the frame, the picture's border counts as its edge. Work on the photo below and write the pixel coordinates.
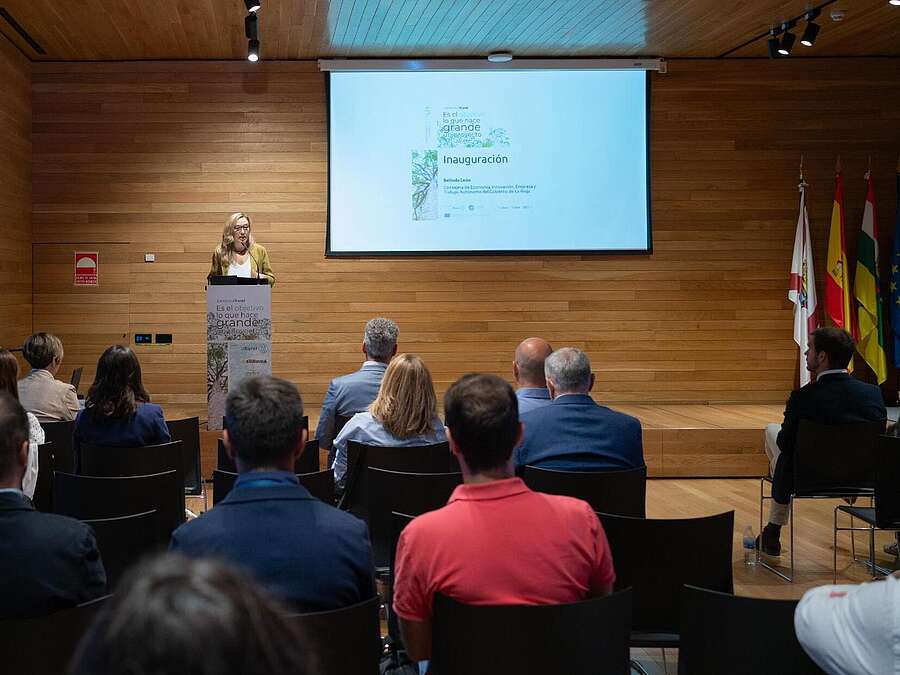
(252, 5)
(812, 29)
(253, 50)
(251, 27)
(896, 3)
(788, 39)
(773, 45)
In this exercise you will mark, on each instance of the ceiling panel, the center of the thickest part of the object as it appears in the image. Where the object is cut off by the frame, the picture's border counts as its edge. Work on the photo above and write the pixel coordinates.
(304, 29)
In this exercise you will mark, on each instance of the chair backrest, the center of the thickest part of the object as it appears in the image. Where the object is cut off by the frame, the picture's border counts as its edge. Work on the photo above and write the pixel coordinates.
(43, 489)
(699, 553)
(93, 497)
(887, 483)
(579, 638)
(60, 434)
(123, 541)
(620, 492)
(343, 641)
(398, 522)
(187, 431)
(403, 492)
(724, 633)
(308, 462)
(100, 460)
(433, 458)
(319, 483)
(835, 458)
(46, 644)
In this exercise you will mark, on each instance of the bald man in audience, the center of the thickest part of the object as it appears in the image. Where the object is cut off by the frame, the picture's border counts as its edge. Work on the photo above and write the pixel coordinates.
(528, 371)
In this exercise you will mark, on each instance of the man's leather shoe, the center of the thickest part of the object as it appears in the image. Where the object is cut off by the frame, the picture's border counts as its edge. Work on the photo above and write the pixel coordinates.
(769, 541)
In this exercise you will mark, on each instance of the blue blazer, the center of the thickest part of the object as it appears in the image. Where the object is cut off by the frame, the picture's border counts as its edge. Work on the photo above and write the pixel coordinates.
(531, 398)
(146, 427)
(346, 396)
(312, 555)
(573, 433)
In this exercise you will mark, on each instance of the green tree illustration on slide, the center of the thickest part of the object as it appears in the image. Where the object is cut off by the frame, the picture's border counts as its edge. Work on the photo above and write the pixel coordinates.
(424, 184)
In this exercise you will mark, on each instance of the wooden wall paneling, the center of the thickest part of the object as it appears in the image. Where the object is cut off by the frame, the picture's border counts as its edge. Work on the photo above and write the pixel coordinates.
(15, 196)
(157, 154)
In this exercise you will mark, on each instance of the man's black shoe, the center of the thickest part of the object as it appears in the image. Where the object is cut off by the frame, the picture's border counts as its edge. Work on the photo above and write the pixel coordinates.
(769, 541)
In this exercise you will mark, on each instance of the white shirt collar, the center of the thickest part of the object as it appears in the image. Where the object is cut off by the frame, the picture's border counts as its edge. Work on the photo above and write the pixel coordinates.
(833, 371)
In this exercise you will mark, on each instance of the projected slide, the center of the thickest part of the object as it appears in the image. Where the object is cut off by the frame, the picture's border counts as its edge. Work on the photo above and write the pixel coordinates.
(514, 161)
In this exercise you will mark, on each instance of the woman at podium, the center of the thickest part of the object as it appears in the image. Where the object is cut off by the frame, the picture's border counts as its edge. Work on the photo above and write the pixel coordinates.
(239, 255)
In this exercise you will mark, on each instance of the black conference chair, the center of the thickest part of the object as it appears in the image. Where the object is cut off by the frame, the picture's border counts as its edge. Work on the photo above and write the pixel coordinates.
(101, 460)
(620, 492)
(340, 422)
(188, 432)
(830, 462)
(885, 514)
(579, 638)
(403, 492)
(60, 435)
(699, 552)
(343, 641)
(123, 541)
(723, 633)
(43, 489)
(46, 644)
(434, 458)
(94, 497)
(319, 483)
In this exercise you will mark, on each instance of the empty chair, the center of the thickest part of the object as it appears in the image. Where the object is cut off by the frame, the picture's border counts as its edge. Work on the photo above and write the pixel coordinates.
(434, 458)
(125, 540)
(580, 638)
(60, 434)
(620, 492)
(99, 460)
(343, 641)
(319, 483)
(93, 497)
(699, 554)
(723, 633)
(188, 432)
(403, 492)
(45, 644)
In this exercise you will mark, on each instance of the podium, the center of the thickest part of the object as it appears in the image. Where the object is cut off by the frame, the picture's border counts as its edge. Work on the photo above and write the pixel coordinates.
(238, 337)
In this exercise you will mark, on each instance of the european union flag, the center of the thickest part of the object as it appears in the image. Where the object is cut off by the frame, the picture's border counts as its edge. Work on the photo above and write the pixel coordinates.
(895, 279)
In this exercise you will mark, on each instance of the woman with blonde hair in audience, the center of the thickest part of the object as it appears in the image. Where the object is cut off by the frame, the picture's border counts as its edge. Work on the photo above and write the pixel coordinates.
(117, 410)
(239, 255)
(403, 414)
(9, 373)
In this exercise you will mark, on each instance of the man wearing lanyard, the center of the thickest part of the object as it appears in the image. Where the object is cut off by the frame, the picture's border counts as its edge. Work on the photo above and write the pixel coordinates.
(834, 397)
(309, 553)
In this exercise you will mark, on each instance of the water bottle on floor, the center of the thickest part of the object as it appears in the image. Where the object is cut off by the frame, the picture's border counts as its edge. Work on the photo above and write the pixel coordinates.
(749, 546)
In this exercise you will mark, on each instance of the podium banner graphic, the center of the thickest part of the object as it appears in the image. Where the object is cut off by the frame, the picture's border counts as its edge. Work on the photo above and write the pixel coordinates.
(238, 341)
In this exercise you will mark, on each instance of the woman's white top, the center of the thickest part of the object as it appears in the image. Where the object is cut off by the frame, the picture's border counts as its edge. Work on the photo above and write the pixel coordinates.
(35, 438)
(240, 270)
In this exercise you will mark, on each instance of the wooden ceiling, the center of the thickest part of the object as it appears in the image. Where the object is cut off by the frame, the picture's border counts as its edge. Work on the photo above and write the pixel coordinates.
(102, 30)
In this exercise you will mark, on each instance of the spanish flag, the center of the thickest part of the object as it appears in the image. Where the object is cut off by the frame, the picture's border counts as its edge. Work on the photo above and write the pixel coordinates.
(868, 293)
(838, 302)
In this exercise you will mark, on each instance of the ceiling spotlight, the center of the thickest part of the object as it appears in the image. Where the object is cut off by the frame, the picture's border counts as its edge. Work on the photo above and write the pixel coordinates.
(251, 27)
(812, 29)
(253, 50)
(252, 5)
(500, 57)
(773, 45)
(896, 3)
(787, 43)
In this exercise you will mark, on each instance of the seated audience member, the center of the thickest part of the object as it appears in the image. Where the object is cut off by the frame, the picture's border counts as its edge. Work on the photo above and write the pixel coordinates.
(403, 414)
(496, 541)
(176, 616)
(834, 397)
(528, 371)
(306, 552)
(40, 392)
(573, 433)
(350, 394)
(117, 411)
(47, 562)
(9, 370)
(851, 630)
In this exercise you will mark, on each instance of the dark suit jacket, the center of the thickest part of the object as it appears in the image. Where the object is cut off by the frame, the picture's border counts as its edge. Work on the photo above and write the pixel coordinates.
(312, 555)
(47, 562)
(146, 427)
(573, 433)
(837, 398)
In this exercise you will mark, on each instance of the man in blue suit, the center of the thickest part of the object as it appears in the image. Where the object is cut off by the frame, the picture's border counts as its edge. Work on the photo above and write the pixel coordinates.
(528, 371)
(573, 433)
(309, 553)
(350, 394)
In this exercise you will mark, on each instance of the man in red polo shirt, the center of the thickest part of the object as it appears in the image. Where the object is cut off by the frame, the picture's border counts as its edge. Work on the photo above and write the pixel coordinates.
(496, 542)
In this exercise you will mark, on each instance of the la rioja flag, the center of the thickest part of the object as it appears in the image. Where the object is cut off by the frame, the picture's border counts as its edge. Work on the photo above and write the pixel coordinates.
(802, 289)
